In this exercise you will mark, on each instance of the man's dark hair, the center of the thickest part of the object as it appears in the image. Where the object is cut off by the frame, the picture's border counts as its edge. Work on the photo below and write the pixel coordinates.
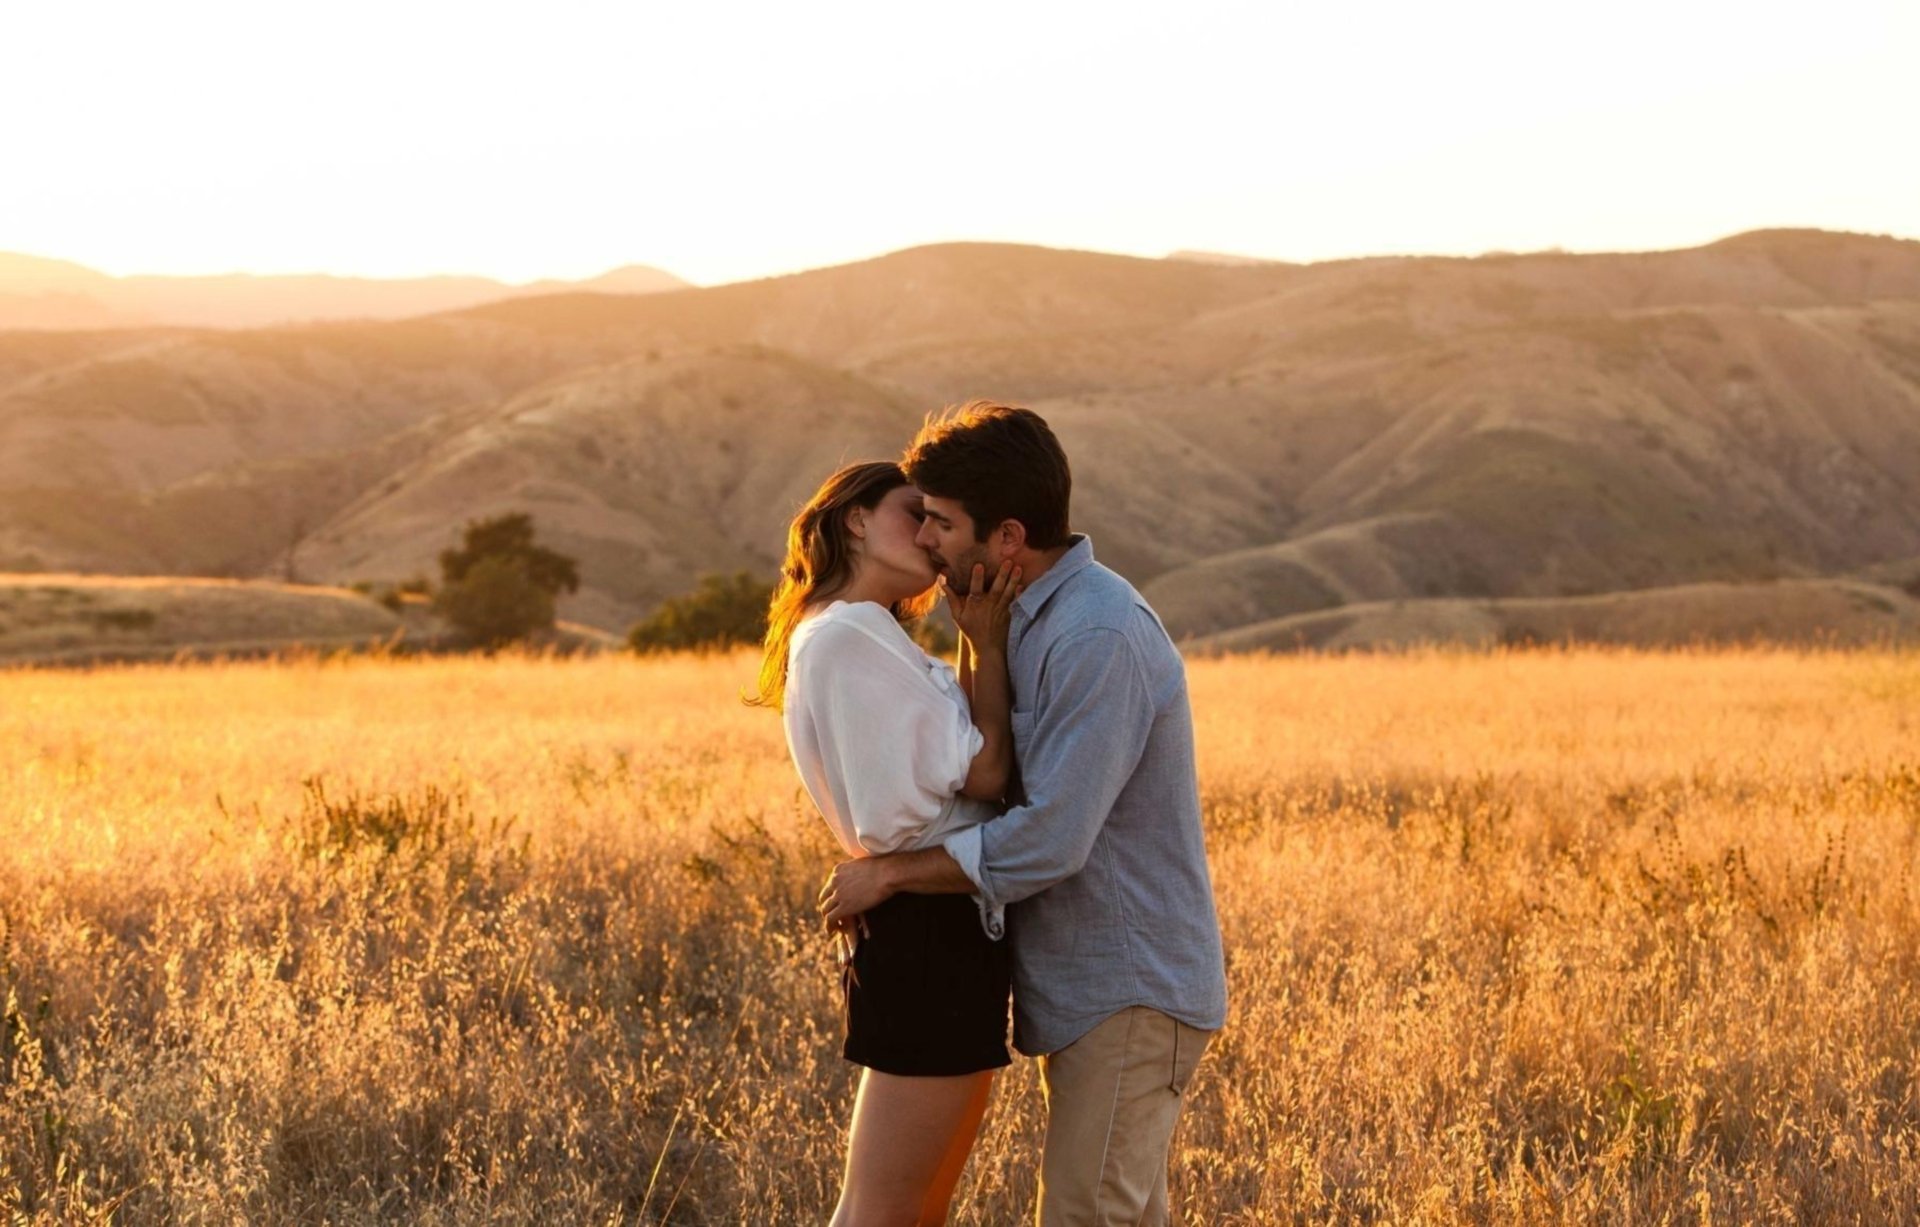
(1001, 462)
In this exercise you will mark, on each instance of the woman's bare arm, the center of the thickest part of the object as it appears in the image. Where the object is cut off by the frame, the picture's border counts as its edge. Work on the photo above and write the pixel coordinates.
(984, 616)
(992, 701)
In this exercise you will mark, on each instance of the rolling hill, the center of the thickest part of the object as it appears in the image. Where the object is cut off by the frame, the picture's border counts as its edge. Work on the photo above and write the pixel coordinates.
(1811, 613)
(44, 294)
(50, 618)
(1251, 442)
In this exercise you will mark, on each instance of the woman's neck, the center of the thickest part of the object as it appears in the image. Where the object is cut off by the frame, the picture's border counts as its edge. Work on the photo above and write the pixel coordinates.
(862, 588)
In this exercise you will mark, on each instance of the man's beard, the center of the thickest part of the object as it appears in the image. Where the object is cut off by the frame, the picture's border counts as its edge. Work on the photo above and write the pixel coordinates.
(960, 573)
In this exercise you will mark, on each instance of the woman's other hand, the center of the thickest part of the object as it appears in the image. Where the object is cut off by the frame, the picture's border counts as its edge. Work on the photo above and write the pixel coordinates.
(985, 613)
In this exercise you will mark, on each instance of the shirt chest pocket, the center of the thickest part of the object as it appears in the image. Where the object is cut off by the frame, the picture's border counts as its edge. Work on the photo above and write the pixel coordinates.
(1022, 742)
(1022, 732)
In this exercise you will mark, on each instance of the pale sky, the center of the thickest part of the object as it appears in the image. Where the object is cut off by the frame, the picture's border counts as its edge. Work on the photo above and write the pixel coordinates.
(723, 141)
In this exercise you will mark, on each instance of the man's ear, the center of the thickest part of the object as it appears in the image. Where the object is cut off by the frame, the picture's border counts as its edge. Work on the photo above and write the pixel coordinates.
(1011, 537)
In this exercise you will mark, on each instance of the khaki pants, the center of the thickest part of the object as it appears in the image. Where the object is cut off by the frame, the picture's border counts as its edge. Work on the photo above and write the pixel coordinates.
(1113, 1097)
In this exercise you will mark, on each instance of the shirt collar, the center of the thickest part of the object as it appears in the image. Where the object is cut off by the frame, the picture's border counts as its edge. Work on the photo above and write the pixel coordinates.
(1079, 557)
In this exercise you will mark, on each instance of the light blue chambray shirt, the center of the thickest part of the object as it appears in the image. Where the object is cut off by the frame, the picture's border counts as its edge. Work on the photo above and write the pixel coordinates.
(1101, 866)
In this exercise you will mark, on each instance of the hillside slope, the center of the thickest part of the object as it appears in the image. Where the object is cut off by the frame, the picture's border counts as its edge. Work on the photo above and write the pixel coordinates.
(1827, 613)
(1250, 442)
(50, 618)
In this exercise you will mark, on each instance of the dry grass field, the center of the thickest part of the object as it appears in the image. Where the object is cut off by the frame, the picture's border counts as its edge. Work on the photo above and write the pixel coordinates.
(1576, 936)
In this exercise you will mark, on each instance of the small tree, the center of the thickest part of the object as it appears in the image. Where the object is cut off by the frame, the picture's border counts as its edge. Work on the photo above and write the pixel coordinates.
(725, 610)
(499, 586)
(510, 536)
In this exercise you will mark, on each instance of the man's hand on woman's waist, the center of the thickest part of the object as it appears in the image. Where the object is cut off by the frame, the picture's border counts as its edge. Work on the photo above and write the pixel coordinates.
(861, 885)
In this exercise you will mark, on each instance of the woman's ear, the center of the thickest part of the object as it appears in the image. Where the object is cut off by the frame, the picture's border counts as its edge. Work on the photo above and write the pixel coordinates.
(857, 523)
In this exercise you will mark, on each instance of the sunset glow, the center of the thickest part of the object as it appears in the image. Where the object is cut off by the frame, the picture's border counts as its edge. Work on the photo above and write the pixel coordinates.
(730, 141)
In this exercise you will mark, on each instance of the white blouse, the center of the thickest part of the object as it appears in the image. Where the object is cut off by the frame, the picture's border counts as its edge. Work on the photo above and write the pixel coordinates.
(881, 732)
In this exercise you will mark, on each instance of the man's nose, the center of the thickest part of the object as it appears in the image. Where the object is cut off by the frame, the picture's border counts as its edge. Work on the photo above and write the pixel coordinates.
(924, 538)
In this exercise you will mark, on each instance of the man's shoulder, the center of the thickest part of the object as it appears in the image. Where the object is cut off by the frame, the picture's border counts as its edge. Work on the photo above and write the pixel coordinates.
(1102, 612)
(1099, 597)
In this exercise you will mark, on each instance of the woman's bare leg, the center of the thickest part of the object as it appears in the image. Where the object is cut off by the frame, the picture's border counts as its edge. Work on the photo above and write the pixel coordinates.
(909, 1143)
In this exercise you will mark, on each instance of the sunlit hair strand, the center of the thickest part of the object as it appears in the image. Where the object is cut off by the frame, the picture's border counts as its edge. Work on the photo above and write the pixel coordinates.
(819, 563)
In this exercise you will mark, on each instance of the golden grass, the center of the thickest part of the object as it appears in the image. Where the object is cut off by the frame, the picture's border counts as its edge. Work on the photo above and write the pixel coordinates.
(1542, 937)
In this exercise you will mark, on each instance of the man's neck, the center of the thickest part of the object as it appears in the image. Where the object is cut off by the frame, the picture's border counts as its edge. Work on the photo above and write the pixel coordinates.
(1039, 562)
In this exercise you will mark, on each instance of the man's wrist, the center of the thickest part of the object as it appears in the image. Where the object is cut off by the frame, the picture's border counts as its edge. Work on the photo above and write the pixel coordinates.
(918, 871)
(892, 874)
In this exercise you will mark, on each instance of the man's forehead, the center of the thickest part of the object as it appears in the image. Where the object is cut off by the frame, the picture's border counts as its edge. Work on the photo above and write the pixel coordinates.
(947, 508)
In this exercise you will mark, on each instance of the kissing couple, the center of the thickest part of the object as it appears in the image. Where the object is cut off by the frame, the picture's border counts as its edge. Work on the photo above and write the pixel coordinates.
(1026, 820)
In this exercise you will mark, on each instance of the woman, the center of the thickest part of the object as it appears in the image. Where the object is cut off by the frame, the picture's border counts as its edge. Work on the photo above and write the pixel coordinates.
(898, 752)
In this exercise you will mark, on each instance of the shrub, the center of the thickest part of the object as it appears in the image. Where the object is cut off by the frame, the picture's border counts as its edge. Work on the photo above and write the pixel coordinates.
(724, 611)
(125, 619)
(935, 633)
(731, 610)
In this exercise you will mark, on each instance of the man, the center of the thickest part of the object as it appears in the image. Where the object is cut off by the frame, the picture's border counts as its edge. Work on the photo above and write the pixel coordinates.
(1118, 977)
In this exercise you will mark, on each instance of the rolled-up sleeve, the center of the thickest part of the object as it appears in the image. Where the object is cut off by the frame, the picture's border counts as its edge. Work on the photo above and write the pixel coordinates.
(896, 747)
(1092, 720)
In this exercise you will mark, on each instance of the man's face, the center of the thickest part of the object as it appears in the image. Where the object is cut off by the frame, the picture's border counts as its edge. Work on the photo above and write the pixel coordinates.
(947, 536)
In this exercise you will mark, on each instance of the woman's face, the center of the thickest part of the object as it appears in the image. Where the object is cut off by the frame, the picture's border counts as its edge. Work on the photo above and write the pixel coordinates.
(888, 547)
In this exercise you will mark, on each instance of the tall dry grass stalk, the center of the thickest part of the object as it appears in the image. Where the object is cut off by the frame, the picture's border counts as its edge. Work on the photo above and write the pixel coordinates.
(1533, 938)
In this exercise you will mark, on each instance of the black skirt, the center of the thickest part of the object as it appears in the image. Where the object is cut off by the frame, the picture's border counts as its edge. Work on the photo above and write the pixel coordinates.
(928, 991)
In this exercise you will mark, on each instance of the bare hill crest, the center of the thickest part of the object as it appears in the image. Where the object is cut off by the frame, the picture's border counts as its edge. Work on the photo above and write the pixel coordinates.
(44, 294)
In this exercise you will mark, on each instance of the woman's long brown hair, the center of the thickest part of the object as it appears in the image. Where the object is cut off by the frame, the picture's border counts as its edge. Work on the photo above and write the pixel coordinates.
(819, 563)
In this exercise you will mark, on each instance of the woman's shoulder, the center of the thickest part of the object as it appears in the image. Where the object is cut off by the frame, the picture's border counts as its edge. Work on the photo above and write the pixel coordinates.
(861, 615)
(858, 613)
(853, 623)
